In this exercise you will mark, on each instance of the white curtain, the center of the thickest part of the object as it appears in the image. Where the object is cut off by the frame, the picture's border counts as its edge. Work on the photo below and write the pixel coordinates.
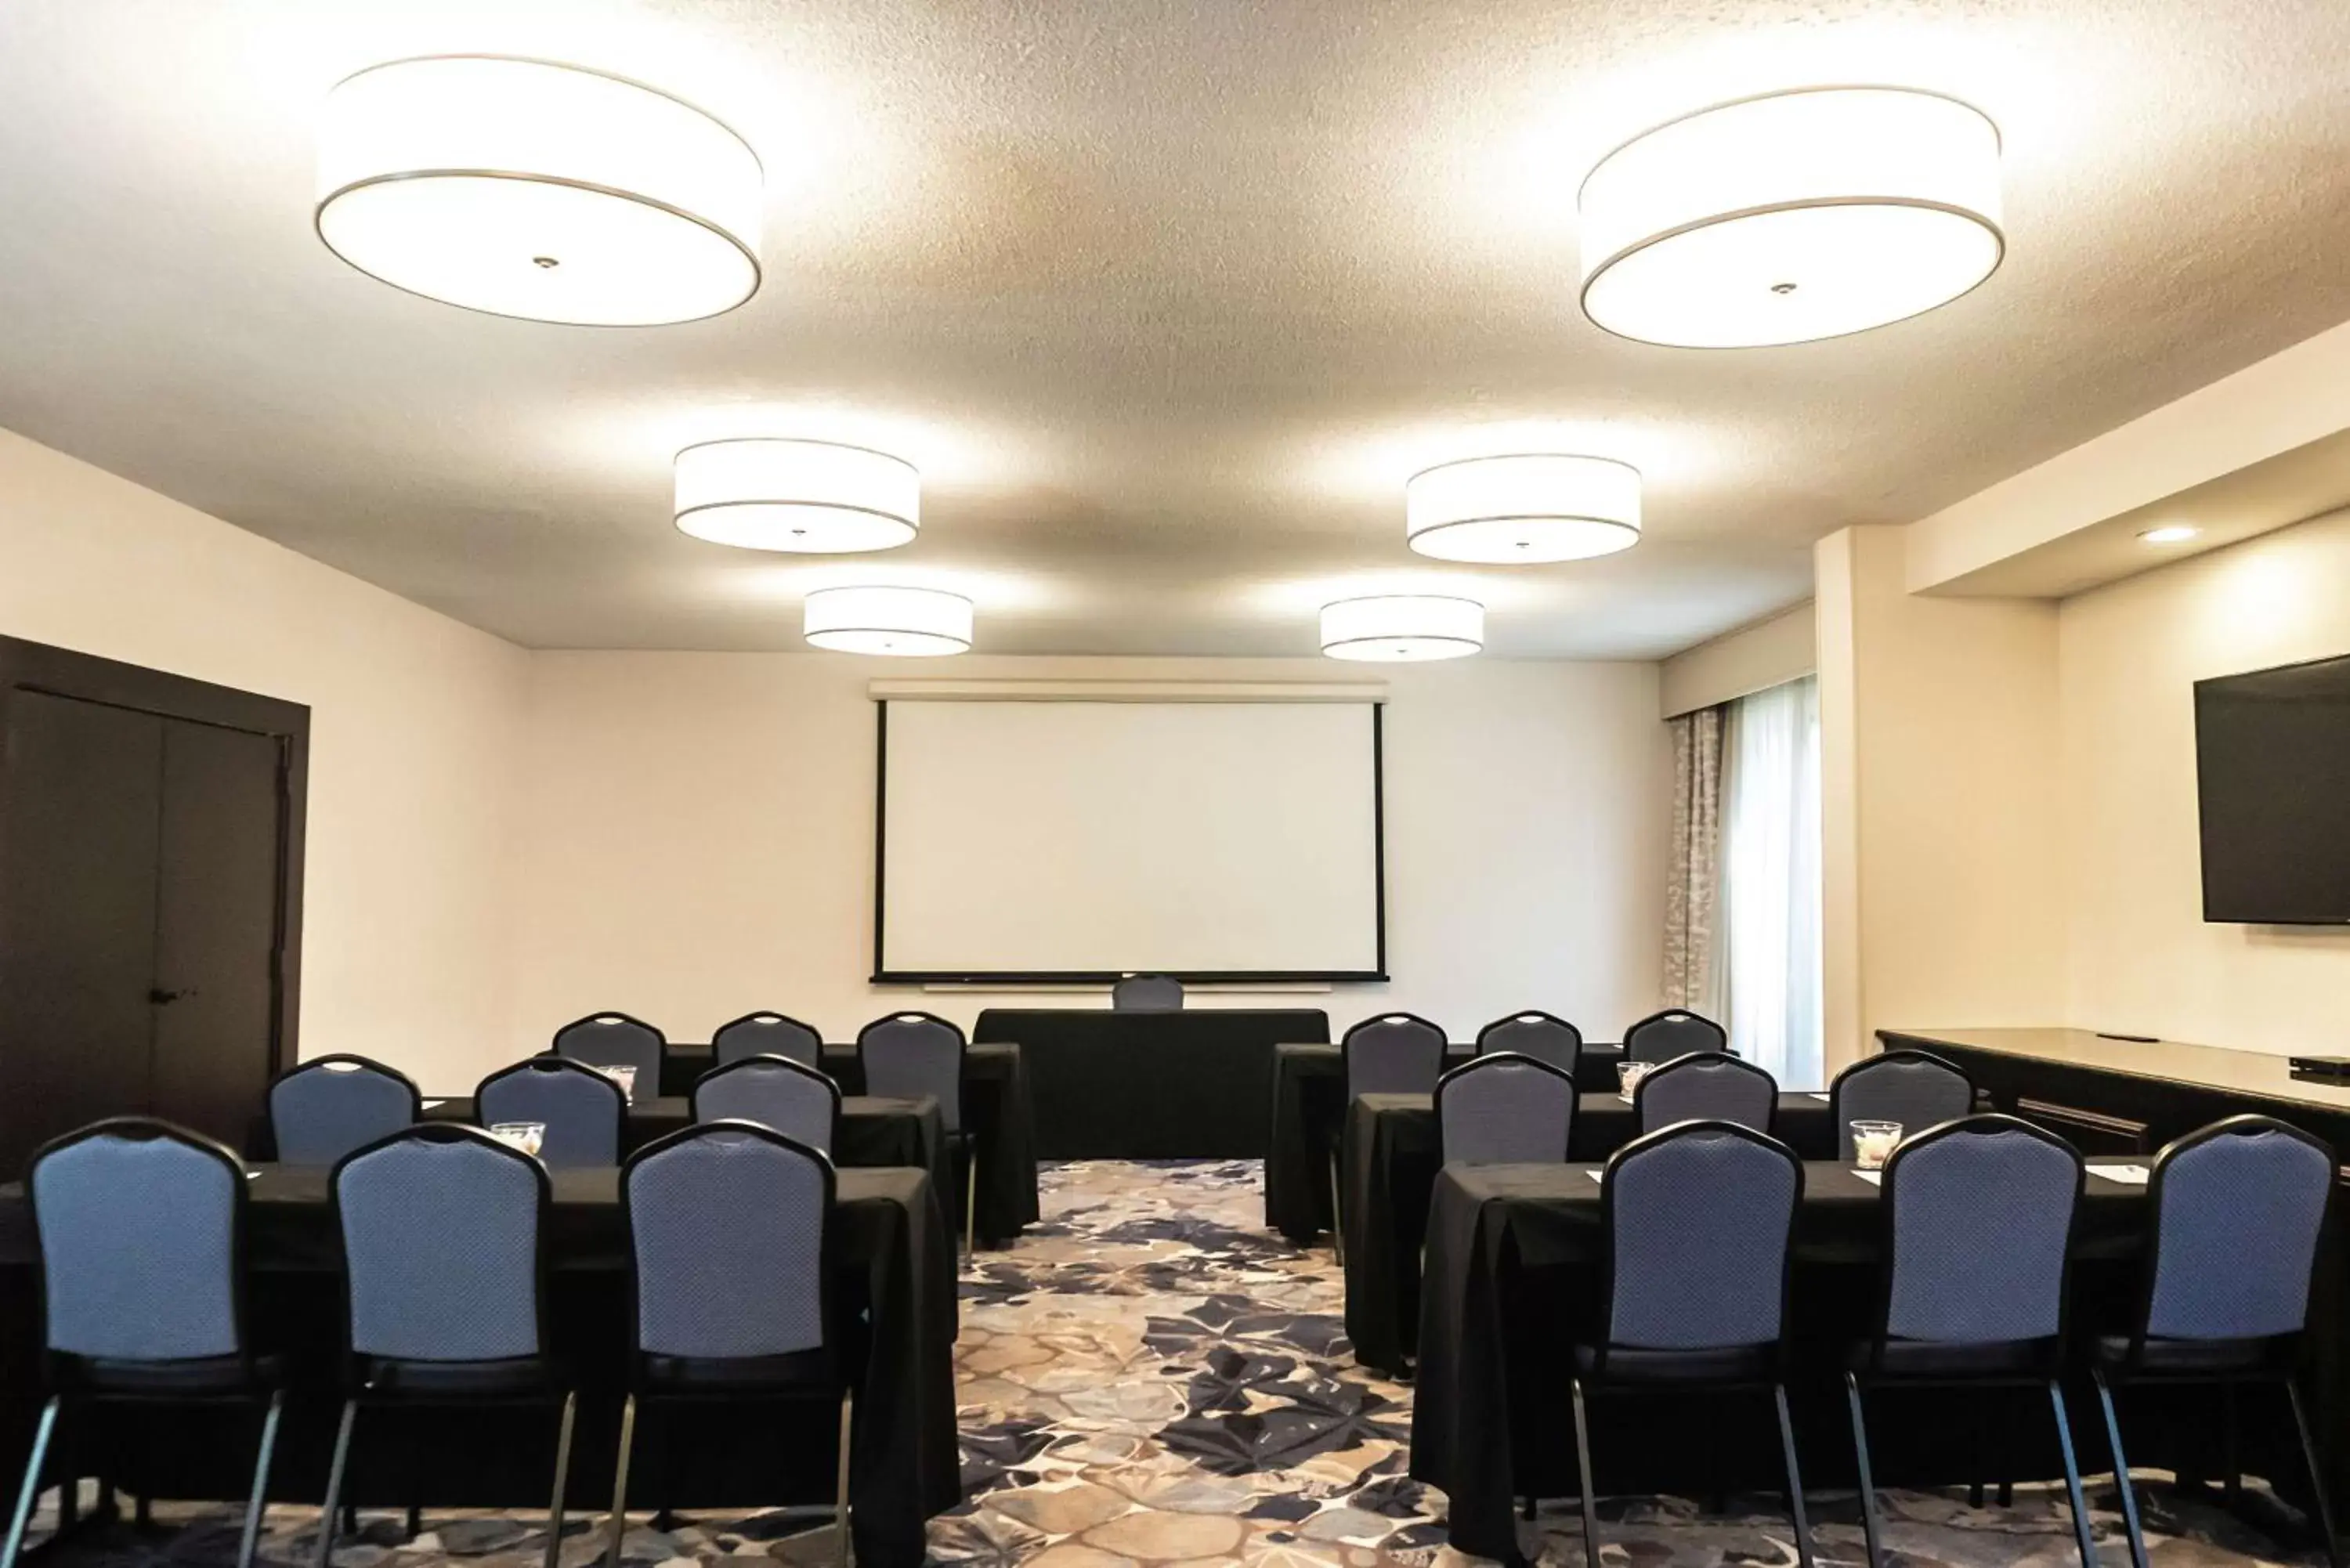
(1771, 881)
(1695, 977)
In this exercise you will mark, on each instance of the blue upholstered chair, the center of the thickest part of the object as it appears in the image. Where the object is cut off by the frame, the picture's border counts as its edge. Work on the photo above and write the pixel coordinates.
(444, 1230)
(1706, 1085)
(1540, 1035)
(909, 1055)
(2238, 1207)
(140, 1226)
(329, 1106)
(583, 1110)
(767, 1035)
(1499, 1108)
(731, 1297)
(1146, 993)
(1696, 1221)
(1916, 1089)
(1392, 1053)
(1674, 1032)
(1978, 1249)
(777, 1094)
(616, 1039)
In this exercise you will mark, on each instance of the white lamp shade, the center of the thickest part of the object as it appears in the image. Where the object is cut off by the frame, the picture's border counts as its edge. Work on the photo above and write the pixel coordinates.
(1523, 507)
(1797, 216)
(526, 189)
(897, 621)
(810, 496)
(1394, 628)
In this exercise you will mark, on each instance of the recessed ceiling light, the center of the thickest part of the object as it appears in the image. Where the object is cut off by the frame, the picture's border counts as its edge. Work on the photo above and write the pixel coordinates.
(899, 622)
(1523, 507)
(811, 498)
(527, 189)
(1390, 629)
(1793, 217)
(2170, 534)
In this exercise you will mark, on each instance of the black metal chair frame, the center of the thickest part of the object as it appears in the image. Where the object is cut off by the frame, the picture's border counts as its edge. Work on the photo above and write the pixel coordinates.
(1664, 1014)
(1835, 1085)
(551, 1387)
(1347, 1088)
(1487, 1058)
(962, 1139)
(257, 1380)
(548, 1062)
(610, 1015)
(327, 1063)
(764, 1015)
(1533, 1016)
(1713, 1062)
(694, 1100)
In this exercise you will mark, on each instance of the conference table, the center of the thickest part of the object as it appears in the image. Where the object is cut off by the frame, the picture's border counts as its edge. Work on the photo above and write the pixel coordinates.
(874, 1129)
(1388, 1162)
(894, 1253)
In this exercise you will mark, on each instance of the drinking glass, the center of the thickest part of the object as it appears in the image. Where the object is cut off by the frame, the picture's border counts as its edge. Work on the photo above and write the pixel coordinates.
(626, 1076)
(524, 1136)
(1872, 1143)
(1628, 1075)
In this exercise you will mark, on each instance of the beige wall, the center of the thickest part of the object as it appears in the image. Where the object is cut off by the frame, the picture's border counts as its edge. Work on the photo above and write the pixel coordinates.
(414, 735)
(1769, 653)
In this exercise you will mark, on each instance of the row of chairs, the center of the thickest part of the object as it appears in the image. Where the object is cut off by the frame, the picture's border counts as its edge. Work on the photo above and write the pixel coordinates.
(1979, 1215)
(142, 1228)
(1402, 1052)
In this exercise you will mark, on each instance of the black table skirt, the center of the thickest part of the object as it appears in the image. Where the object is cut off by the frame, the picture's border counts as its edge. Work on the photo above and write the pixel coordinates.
(996, 1111)
(874, 1130)
(1152, 1086)
(1388, 1162)
(1513, 1280)
(896, 1258)
(1308, 1106)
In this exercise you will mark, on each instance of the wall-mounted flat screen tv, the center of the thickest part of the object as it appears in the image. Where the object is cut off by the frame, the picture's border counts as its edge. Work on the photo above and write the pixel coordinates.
(2272, 778)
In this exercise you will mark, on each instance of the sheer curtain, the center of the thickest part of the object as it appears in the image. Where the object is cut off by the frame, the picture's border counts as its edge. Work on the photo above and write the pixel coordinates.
(1771, 880)
(1694, 974)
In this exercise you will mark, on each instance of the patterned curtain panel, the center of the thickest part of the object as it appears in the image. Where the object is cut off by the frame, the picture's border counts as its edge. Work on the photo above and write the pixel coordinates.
(1694, 974)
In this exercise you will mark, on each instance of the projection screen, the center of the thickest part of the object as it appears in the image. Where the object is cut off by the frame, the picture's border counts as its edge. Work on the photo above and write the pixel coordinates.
(1077, 840)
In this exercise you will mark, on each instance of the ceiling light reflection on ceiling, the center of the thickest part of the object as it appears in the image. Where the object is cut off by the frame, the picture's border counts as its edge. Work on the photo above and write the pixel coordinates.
(2170, 534)
(1524, 507)
(900, 622)
(528, 189)
(1390, 629)
(1791, 217)
(811, 498)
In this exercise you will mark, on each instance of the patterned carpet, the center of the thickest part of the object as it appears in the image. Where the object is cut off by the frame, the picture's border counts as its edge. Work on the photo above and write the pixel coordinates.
(1150, 1377)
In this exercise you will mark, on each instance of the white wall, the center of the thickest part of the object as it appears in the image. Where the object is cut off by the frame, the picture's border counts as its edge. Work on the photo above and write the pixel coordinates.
(415, 722)
(697, 838)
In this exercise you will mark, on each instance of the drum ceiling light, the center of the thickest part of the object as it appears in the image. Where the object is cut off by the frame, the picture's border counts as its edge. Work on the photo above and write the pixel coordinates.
(1392, 628)
(528, 189)
(900, 622)
(1793, 217)
(813, 497)
(1524, 507)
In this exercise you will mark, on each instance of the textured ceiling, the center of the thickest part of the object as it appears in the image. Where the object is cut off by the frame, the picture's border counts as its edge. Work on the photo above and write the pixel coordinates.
(1166, 299)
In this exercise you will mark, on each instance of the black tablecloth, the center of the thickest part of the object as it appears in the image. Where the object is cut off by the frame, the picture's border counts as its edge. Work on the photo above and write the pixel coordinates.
(1309, 1105)
(874, 1129)
(896, 1258)
(1388, 1162)
(1152, 1086)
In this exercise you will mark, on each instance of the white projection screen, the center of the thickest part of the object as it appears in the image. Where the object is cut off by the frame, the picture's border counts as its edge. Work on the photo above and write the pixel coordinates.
(1077, 840)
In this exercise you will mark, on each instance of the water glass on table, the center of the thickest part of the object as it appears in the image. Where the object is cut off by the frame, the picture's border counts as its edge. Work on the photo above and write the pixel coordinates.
(527, 1137)
(1628, 1078)
(626, 1076)
(1873, 1143)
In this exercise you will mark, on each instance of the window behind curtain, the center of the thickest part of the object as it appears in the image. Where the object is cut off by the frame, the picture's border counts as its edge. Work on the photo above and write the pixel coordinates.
(1771, 880)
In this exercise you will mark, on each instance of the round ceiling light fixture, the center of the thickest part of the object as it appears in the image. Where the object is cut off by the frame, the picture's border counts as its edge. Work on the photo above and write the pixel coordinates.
(813, 497)
(1790, 218)
(1390, 629)
(900, 622)
(1524, 507)
(546, 192)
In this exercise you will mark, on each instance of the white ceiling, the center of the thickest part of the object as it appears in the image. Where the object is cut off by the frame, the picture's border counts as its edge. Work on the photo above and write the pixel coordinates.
(1165, 299)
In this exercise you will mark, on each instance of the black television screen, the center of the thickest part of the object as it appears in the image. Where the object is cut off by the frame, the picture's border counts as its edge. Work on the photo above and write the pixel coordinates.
(2272, 778)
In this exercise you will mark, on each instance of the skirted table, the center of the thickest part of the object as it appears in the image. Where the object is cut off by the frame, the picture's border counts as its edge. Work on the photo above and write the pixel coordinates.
(895, 1255)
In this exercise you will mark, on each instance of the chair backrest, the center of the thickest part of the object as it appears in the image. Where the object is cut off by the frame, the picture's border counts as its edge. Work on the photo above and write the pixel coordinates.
(1914, 1088)
(909, 1055)
(767, 1035)
(774, 1092)
(616, 1039)
(1697, 1220)
(1674, 1032)
(726, 1229)
(1393, 1054)
(141, 1229)
(1502, 1109)
(330, 1105)
(442, 1228)
(1146, 993)
(1540, 1035)
(1978, 1214)
(583, 1109)
(2238, 1207)
(1706, 1085)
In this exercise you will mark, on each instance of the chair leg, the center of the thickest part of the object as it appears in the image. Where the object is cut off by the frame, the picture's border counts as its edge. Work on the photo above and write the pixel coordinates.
(2231, 1463)
(30, 1492)
(1794, 1475)
(1871, 1528)
(840, 1490)
(251, 1541)
(619, 1526)
(1338, 1224)
(2073, 1476)
(1585, 1503)
(1532, 1509)
(2121, 1471)
(333, 1498)
(142, 1513)
(2316, 1476)
(562, 1479)
(971, 1204)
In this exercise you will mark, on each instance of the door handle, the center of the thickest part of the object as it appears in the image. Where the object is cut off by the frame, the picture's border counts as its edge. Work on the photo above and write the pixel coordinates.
(159, 997)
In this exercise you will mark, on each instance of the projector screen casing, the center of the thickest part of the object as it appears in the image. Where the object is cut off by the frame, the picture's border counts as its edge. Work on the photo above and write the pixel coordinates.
(884, 973)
